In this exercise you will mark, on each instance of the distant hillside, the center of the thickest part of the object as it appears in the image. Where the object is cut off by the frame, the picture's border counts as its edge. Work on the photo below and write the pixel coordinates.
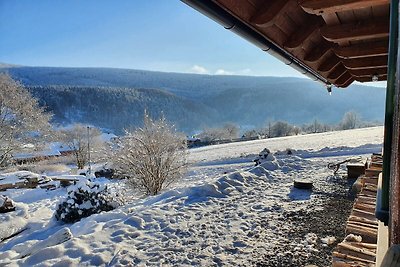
(120, 108)
(116, 98)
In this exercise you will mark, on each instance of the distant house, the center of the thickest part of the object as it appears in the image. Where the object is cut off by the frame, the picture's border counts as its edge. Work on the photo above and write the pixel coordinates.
(55, 149)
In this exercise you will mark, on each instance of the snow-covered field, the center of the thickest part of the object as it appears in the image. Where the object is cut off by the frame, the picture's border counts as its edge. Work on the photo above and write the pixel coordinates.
(224, 212)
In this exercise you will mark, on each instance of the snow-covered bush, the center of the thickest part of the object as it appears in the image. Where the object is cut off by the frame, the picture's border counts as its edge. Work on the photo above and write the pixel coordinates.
(151, 157)
(84, 199)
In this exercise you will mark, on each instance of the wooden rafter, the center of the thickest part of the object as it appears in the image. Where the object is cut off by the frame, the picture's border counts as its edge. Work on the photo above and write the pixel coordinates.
(345, 79)
(369, 72)
(346, 84)
(363, 50)
(330, 6)
(371, 29)
(269, 13)
(302, 34)
(366, 63)
(318, 52)
(329, 63)
(338, 71)
(369, 79)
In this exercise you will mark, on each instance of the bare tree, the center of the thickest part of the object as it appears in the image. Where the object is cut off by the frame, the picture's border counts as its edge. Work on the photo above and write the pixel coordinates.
(251, 134)
(227, 132)
(350, 120)
(269, 129)
(22, 120)
(316, 126)
(81, 141)
(281, 128)
(231, 131)
(151, 157)
(296, 130)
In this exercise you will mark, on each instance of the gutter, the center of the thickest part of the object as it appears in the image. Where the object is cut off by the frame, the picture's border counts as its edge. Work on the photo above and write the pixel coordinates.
(229, 22)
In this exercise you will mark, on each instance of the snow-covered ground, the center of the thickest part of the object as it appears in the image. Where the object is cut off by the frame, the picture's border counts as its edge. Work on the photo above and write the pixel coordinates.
(224, 212)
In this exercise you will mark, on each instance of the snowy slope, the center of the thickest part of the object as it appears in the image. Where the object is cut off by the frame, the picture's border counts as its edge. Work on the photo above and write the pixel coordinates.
(226, 212)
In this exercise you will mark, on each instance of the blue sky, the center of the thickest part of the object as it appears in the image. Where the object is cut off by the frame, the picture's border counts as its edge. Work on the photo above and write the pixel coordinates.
(164, 35)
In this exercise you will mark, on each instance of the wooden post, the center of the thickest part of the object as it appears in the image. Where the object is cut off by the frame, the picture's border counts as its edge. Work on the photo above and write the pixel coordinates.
(394, 194)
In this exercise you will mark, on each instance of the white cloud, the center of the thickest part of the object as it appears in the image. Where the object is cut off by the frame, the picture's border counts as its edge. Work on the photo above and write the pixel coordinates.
(202, 70)
(199, 70)
(223, 72)
(244, 72)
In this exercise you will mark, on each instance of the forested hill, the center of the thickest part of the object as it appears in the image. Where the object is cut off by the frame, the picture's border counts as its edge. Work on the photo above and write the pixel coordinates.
(120, 108)
(116, 98)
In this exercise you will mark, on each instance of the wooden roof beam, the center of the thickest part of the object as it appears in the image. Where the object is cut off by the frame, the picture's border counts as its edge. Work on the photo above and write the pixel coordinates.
(338, 71)
(346, 84)
(329, 63)
(369, 72)
(301, 35)
(363, 50)
(369, 79)
(366, 63)
(345, 80)
(363, 30)
(269, 13)
(318, 7)
(318, 52)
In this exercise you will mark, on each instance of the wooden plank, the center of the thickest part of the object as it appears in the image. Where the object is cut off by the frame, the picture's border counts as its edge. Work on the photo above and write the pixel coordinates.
(359, 213)
(366, 234)
(329, 64)
(344, 79)
(338, 71)
(369, 72)
(366, 198)
(359, 250)
(318, 52)
(370, 208)
(364, 30)
(351, 257)
(309, 28)
(267, 15)
(371, 247)
(318, 7)
(356, 224)
(366, 63)
(363, 50)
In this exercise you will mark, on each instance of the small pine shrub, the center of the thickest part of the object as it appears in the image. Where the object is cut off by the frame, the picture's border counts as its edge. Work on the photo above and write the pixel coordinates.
(83, 200)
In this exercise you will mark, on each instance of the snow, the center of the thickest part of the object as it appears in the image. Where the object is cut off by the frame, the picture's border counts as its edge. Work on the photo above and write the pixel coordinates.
(353, 238)
(224, 212)
(18, 176)
(328, 240)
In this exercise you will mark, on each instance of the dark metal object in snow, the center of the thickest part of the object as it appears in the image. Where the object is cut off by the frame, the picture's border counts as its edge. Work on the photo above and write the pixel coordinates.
(335, 166)
(303, 184)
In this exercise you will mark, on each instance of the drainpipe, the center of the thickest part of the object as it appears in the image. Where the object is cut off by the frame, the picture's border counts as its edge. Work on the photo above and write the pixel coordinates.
(382, 212)
(229, 22)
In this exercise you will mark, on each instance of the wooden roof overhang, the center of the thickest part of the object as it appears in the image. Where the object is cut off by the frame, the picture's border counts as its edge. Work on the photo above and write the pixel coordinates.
(333, 41)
